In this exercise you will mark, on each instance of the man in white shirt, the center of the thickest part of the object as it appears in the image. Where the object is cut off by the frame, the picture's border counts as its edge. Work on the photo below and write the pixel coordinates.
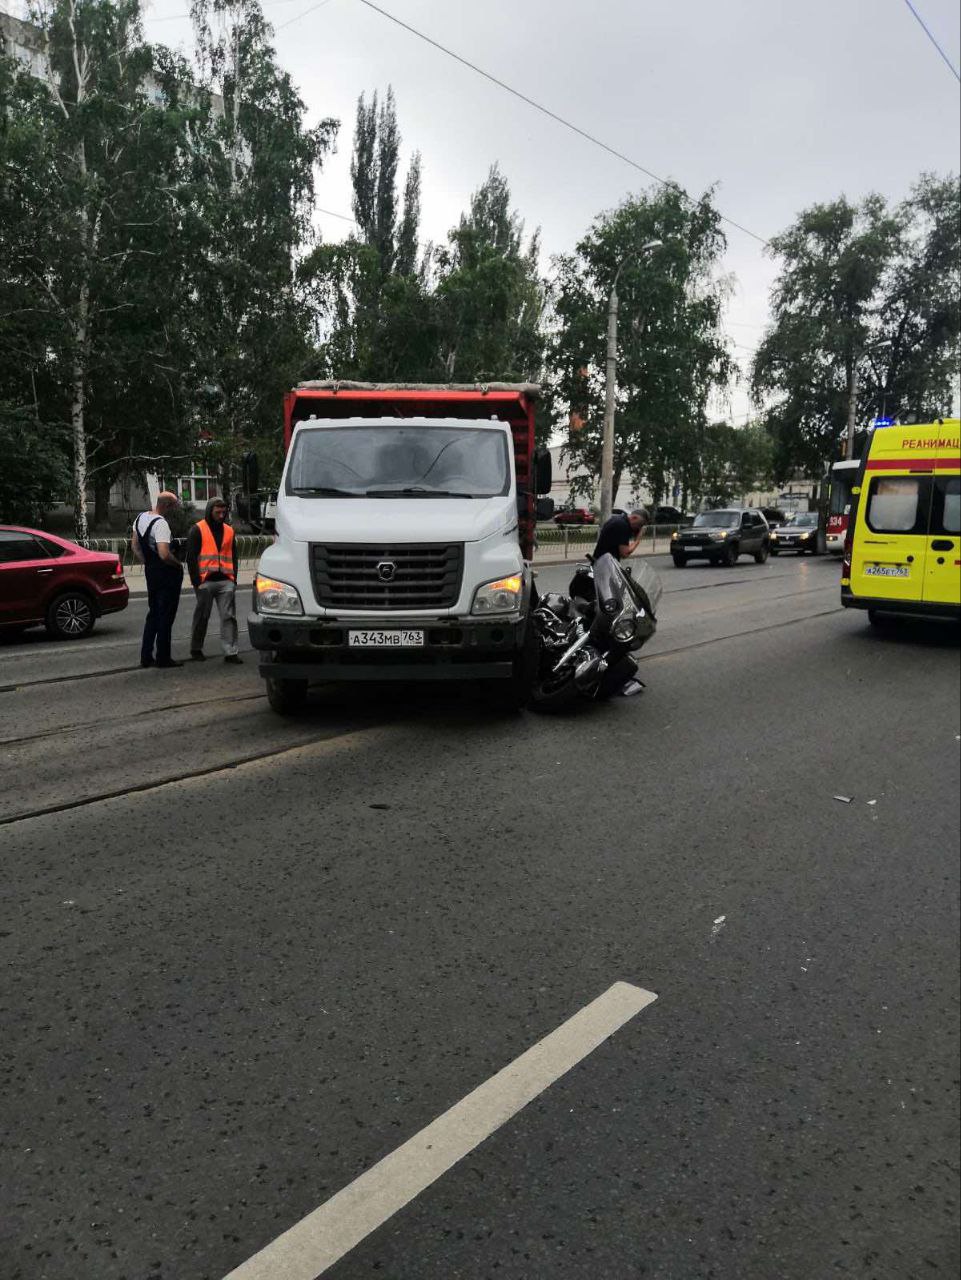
(151, 544)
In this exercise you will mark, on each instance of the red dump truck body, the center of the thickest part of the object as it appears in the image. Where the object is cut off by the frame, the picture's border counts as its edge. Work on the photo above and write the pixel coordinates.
(513, 403)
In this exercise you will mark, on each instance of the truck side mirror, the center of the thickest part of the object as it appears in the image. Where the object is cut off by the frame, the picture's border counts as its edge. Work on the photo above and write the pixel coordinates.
(545, 508)
(543, 471)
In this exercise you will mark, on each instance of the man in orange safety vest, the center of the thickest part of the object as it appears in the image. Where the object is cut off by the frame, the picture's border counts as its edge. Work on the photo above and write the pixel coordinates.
(212, 565)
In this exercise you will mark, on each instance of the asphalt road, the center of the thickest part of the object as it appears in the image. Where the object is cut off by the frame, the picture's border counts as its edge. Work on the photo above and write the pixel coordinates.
(245, 959)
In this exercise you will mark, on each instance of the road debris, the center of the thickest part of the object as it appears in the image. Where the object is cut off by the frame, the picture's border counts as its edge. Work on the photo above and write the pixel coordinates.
(717, 926)
(844, 799)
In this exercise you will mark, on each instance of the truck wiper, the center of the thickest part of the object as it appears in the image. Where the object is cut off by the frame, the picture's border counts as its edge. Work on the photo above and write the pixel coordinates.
(417, 491)
(323, 491)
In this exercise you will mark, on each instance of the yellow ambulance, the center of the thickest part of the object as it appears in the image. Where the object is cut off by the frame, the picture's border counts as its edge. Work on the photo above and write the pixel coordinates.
(903, 548)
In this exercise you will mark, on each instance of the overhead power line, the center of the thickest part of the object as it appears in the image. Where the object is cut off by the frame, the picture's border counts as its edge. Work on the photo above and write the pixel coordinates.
(597, 142)
(264, 4)
(313, 9)
(927, 31)
(342, 216)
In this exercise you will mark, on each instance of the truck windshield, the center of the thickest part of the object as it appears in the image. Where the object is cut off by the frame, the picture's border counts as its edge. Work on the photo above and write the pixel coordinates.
(398, 462)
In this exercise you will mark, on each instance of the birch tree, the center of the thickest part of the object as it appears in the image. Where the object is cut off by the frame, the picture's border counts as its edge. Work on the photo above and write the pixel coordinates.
(89, 180)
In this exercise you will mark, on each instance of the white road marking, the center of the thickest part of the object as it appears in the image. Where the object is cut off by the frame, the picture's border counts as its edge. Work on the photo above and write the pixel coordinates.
(319, 1240)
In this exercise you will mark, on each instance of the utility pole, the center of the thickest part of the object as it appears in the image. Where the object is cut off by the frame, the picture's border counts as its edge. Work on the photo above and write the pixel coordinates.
(610, 387)
(610, 392)
(852, 407)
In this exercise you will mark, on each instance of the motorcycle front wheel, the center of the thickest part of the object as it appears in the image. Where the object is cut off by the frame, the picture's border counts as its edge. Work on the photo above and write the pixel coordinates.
(553, 694)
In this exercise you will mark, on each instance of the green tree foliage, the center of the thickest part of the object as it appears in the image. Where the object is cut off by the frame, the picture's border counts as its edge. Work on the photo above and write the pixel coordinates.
(467, 311)
(372, 310)
(35, 470)
(405, 263)
(735, 461)
(671, 353)
(489, 298)
(252, 162)
(918, 320)
(866, 320)
(151, 227)
(89, 227)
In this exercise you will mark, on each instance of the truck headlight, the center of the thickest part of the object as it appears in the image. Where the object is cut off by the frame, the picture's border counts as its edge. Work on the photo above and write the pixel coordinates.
(502, 596)
(624, 627)
(805, 536)
(719, 537)
(271, 596)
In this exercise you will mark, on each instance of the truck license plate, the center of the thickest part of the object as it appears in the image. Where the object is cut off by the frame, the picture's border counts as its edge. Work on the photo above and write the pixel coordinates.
(887, 571)
(385, 639)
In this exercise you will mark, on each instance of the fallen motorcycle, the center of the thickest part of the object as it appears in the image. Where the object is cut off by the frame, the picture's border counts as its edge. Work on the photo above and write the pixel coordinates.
(586, 638)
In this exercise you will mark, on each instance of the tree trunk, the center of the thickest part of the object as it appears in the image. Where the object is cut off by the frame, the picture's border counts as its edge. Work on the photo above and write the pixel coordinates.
(78, 428)
(101, 501)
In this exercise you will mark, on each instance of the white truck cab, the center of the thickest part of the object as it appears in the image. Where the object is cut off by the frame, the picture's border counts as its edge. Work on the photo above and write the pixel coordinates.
(398, 555)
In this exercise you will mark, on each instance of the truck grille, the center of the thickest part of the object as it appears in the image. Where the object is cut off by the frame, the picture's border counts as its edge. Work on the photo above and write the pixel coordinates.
(408, 576)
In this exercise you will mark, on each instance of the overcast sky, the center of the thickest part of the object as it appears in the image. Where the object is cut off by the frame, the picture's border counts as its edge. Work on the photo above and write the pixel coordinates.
(779, 102)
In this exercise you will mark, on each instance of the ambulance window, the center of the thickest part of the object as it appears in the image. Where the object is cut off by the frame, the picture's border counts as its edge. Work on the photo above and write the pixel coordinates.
(949, 500)
(895, 505)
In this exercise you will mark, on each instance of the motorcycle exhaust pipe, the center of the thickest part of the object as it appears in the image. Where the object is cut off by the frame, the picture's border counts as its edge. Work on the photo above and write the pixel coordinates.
(589, 674)
(566, 657)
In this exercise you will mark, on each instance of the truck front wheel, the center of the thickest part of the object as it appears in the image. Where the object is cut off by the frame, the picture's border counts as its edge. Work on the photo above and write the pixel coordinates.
(287, 697)
(514, 693)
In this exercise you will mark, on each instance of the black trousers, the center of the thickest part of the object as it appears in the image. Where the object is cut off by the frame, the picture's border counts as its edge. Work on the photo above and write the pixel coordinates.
(163, 597)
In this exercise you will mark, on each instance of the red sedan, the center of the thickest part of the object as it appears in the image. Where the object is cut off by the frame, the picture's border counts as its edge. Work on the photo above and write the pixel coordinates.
(46, 579)
(575, 515)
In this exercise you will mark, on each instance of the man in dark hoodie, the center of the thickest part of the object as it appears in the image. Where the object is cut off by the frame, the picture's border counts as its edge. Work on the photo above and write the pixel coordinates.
(212, 565)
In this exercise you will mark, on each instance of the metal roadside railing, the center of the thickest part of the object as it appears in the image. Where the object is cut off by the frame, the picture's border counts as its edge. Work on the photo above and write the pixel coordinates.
(250, 547)
(571, 540)
(562, 542)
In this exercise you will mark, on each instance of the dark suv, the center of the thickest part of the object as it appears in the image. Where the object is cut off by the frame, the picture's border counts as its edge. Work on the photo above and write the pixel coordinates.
(722, 536)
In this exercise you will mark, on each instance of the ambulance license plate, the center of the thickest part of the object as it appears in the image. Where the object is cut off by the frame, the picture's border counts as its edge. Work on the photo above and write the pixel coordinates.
(385, 639)
(887, 571)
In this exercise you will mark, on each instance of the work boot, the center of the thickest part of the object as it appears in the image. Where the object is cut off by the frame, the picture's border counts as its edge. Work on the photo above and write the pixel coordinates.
(234, 658)
(197, 655)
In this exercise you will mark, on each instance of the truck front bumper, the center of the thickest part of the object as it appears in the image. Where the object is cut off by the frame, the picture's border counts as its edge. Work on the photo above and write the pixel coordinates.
(454, 649)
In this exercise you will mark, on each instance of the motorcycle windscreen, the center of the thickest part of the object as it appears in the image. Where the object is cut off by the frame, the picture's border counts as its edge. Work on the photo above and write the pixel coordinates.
(643, 588)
